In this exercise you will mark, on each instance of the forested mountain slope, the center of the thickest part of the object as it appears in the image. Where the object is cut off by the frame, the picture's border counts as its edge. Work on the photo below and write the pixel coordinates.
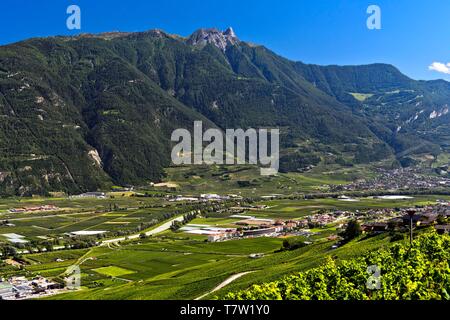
(82, 113)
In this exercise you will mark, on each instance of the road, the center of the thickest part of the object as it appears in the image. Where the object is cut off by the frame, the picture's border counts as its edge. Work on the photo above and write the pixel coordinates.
(52, 216)
(165, 226)
(225, 283)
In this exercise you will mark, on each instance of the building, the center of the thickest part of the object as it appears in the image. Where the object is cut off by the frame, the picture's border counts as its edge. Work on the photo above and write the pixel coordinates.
(221, 236)
(256, 255)
(98, 195)
(23, 290)
(259, 232)
(211, 196)
(17, 288)
(181, 198)
(443, 229)
(421, 219)
(33, 209)
(375, 227)
(216, 237)
(256, 222)
(6, 291)
(44, 284)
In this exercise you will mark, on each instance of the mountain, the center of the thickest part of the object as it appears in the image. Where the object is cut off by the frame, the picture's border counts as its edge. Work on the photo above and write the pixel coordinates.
(416, 112)
(86, 112)
(221, 40)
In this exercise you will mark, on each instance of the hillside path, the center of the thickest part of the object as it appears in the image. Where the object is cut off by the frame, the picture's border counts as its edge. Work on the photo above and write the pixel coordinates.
(225, 283)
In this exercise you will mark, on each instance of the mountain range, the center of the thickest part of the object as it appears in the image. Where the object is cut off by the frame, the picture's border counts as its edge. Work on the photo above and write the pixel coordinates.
(87, 112)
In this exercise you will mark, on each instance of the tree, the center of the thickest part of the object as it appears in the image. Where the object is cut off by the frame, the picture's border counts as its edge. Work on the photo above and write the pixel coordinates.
(352, 231)
(441, 219)
(9, 251)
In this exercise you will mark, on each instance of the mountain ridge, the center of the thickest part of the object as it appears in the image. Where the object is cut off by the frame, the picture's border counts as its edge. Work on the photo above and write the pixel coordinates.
(118, 96)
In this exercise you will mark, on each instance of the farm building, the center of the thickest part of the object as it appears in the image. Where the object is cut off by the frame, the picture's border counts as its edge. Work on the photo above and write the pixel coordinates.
(443, 229)
(6, 291)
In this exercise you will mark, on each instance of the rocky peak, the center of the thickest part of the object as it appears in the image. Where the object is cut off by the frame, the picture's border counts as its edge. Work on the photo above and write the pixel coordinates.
(221, 39)
(230, 33)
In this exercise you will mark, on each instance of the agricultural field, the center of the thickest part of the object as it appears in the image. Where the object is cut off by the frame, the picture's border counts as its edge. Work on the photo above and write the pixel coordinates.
(110, 215)
(362, 96)
(442, 160)
(176, 264)
(186, 270)
(247, 181)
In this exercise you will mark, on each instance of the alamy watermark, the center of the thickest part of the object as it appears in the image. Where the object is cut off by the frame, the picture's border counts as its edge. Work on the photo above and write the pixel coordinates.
(73, 22)
(374, 20)
(374, 281)
(229, 149)
(73, 277)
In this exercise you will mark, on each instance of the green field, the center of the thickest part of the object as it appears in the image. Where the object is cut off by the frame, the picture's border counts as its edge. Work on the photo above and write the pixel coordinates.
(361, 96)
(174, 275)
(81, 215)
(113, 271)
(225, 179)
(177, 265)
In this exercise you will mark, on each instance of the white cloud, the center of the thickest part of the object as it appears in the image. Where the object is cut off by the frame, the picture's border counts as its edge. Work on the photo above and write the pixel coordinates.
(440, 67)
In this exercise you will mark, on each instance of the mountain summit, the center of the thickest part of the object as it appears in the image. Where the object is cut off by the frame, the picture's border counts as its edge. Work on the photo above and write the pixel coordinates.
(220, 39)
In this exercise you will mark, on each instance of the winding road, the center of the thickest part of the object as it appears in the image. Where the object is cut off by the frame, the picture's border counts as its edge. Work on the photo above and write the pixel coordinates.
(165, 226)
(225, 283)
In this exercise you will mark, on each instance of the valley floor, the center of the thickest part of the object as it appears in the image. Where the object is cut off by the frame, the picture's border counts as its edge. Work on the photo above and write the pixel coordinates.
(127, 247)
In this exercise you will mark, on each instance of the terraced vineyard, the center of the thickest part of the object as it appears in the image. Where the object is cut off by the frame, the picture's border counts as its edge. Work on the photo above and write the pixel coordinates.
(420, 272)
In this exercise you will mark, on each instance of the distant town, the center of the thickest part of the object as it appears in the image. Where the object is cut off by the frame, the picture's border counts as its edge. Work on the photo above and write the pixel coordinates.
(373, 220)
(398, 179)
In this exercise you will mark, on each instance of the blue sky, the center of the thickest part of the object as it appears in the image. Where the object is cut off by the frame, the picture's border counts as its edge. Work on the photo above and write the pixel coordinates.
(414, 34)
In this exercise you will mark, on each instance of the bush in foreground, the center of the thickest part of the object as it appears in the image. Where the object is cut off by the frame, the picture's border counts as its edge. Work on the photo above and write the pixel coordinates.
(421, 272)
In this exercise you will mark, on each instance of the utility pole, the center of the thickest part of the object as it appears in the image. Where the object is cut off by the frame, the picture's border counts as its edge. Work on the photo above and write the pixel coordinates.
(411, 214)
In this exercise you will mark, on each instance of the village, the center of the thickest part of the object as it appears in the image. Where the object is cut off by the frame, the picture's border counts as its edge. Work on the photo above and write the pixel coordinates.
(398, 179)
(373, 220)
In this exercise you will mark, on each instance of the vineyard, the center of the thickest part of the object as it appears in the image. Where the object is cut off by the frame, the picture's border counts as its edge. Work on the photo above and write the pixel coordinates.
(420, 272)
